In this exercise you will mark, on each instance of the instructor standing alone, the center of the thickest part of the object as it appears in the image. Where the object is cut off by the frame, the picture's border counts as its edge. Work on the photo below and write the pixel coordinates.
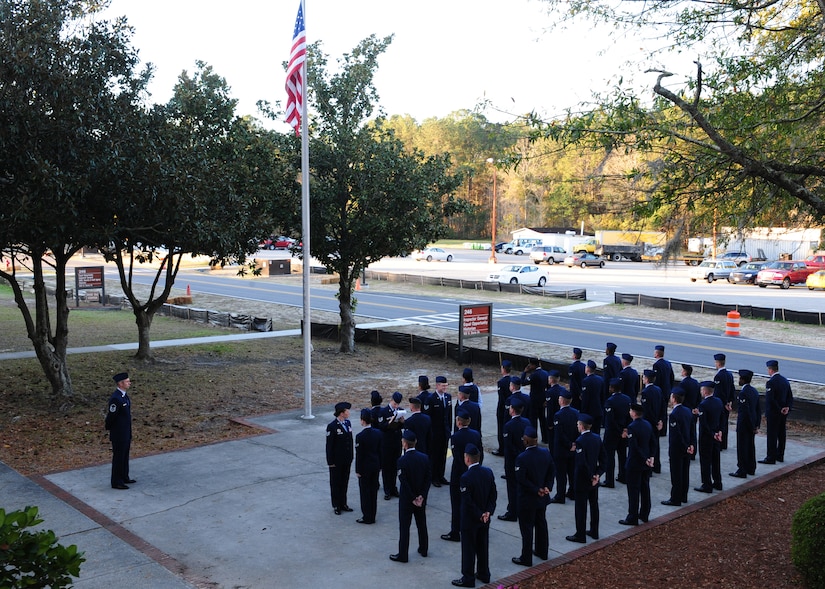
(119, 424)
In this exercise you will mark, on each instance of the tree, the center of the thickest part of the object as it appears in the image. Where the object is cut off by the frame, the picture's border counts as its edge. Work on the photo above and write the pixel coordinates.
(210, 183)
(743, 139)
(370, 196)
(68, 87)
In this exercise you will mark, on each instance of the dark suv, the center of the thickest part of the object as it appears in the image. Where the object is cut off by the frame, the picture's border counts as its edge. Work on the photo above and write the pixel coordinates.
(547, 253)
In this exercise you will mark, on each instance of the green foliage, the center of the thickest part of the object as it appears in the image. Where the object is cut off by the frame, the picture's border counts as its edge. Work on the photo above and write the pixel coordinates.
(741, 143)
(371, 195)
(34, 559)
(808, 541)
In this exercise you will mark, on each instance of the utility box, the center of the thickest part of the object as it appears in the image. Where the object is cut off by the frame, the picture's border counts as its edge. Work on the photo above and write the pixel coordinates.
(274, 267)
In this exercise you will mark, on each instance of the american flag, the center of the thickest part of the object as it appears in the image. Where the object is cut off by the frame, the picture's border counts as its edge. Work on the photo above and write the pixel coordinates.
(294, 73)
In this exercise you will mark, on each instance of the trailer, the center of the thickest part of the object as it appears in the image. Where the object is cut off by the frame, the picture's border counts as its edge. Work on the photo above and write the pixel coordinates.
(622, 245)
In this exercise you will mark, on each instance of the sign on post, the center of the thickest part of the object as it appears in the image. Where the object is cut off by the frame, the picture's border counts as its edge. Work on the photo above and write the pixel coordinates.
(88, 278)
(475, 321)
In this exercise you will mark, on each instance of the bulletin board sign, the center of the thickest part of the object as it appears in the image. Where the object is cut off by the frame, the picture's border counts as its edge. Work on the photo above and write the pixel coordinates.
(475, 321)
(89, 279)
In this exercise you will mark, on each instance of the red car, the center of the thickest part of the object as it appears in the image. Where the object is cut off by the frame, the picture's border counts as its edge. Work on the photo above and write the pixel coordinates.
(784, 273)
(816, 261)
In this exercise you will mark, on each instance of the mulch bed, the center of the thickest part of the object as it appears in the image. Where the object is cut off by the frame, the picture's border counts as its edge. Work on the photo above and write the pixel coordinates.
(744, 541)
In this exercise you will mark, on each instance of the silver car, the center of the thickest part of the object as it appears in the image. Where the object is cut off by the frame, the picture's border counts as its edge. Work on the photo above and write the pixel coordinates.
(711, 270)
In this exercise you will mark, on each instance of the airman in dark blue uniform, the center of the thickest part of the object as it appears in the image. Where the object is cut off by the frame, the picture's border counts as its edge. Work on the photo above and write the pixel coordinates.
(502, 408)
(778, 403)
(612, 364)
(420, 424)
(593, 395)
(478, 503)
(414, 477)
(575, 375)
(710, 438)
(513, 446)
(651, 400)
(690, 386)
(463, 436)
(590, 457)
(119, 424)
(535, 474)
(748, 421)
(664, 379)
(630, 378)
(640, 457)
(339, 456)
(616, 419)
(539, 381)
(681, 445)
(439, 406)
(390, 424)
(725, 391)
(566, 431)
(368, 467)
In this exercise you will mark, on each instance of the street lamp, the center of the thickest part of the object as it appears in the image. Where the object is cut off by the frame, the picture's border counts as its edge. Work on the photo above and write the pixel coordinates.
(493, 259)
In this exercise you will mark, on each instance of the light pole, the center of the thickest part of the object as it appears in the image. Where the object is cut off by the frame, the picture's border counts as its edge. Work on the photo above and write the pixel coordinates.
(493, 259)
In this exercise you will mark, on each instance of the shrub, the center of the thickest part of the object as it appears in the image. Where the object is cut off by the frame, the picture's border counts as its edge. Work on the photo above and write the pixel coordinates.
(808, 541)
(34, 559)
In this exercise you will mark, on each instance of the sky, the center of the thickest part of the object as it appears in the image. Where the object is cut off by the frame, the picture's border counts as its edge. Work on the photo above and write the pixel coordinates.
(446, 55)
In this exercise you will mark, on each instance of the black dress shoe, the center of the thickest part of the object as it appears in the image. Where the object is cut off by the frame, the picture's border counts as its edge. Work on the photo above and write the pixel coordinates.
(767, 461)
(739, 475)
(130, 481)
(444, 481)
(337, 511)
(672, 503)
(346, 508)
(121, 486)
(397, 558)
(386, 497)
(451, 537)
(628, 522)
(422, 553)
(780, 459)
(436, 484)
(643, 519)
(521, 561)
(575, 538)
(704, 489)
(361, 520)
(621, 480)
(557, 500)
(594, 535)
(497, 453)
(541, 556)
(462, 582)
(484, 580)
(508, 518)
(717, 486)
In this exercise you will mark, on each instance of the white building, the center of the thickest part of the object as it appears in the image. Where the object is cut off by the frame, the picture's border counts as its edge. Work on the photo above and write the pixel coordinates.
(776, 242)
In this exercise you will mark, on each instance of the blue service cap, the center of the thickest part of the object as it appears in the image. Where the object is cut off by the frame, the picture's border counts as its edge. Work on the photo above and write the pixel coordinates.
(530, 432)
(585, 418)
(708, 383)
(627, 357)
(471, 449)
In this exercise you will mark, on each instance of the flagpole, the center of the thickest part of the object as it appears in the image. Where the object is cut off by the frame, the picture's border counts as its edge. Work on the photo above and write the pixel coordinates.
(307, 322)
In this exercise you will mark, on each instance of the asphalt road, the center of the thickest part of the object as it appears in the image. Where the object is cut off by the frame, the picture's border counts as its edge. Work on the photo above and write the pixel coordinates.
(554, 326)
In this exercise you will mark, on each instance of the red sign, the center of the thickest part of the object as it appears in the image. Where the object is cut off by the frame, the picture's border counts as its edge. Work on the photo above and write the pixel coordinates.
(476, 319)
(89, 277)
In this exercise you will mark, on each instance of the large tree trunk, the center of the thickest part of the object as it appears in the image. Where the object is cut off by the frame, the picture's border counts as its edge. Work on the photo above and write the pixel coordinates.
(345, 306)
(145, 312)
(50, 348)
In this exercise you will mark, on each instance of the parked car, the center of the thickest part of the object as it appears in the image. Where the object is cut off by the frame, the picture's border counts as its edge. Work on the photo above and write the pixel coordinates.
(512, 248)
(500, 246)
(711, 270)
(584, 259)
(784, 273)
(816, 261)
(746, 274)
(528, 275)
(740, 258)
(547, 253)
(432, 253)
(283, 242)
(816, 280)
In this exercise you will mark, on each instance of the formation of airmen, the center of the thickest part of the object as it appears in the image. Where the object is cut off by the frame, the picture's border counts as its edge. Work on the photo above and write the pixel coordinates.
(601, 430)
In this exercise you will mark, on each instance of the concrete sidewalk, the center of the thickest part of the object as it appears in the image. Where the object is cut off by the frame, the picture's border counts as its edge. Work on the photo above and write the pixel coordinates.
(256, 513)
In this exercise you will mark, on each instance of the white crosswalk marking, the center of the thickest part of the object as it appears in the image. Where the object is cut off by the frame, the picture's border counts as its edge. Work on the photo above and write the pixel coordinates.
(497, 313)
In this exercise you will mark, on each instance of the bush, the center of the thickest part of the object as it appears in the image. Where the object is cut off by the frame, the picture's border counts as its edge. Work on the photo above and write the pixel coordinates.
(34, 559)
(808, 541)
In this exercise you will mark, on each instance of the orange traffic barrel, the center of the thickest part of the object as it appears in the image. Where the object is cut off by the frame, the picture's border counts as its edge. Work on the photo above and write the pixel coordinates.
(732, 324)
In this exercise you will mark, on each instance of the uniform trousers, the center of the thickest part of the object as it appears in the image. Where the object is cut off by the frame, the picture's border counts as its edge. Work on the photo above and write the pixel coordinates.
(776, 430)
(533, 519)
(368, 486)
(475, 551)
(614, 445)
(710, 461)
(638, 488)
(338, 485)
(586, 494)
(406, 513)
